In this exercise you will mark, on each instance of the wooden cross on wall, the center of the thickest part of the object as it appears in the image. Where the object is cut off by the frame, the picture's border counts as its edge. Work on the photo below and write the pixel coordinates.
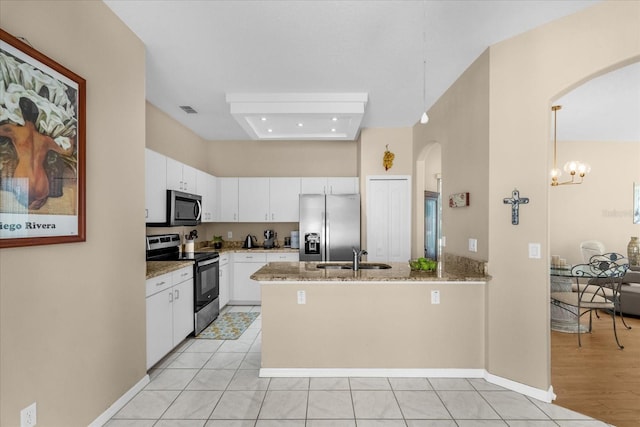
(515, 202)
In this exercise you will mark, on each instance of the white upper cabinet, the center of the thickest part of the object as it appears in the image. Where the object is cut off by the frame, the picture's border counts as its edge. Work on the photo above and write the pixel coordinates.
(284, 199)
(181, 177)
(227, 199)
(343, 185)
(155, 186)
(253, 199)
(330, 185)
(206, 186)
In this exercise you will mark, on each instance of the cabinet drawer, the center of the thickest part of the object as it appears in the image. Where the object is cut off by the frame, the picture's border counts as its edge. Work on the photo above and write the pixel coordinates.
(224, 259)
(159, 284)
(283, 257)
(183, 274)
(250, 257)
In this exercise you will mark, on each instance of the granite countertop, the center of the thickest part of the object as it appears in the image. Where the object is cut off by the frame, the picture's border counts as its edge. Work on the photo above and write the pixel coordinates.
(400, 272)
(157, 268)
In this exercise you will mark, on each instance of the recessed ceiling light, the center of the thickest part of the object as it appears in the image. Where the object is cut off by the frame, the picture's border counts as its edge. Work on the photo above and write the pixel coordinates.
(269, 130)
(333, 129)
(300, 125)
(335, 119)
(264, 119)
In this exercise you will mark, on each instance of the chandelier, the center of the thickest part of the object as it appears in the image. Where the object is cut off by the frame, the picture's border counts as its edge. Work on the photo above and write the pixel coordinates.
(575, 169)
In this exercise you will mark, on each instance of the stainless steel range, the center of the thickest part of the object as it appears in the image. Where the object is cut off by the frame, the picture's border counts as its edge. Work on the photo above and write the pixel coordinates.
(166, 247)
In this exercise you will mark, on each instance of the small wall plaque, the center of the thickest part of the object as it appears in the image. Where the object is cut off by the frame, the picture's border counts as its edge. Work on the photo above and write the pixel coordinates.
(458, 200)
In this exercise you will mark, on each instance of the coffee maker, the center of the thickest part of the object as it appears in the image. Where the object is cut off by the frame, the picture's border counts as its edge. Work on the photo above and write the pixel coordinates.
(269, 239)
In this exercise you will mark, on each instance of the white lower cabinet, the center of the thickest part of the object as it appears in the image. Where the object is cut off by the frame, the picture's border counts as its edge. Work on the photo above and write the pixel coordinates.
(225, 280)
(283, 257)
(245, 290)
(169, 312)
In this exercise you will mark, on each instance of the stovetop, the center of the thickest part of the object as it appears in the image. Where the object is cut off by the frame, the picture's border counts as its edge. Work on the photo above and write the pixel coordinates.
(182, 256)
(166, 247)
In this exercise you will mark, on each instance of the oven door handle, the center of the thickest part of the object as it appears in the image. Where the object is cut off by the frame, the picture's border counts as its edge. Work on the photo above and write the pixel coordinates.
(207, 262)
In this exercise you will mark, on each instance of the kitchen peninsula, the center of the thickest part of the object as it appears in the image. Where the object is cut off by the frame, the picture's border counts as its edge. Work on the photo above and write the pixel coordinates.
(373, 322)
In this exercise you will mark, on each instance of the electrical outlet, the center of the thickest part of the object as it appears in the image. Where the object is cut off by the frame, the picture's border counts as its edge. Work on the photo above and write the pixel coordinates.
(534, 250)
(229, 234)
(444, 241)
(302, 297)
(435, 297)
(473, 245)
(28, 416)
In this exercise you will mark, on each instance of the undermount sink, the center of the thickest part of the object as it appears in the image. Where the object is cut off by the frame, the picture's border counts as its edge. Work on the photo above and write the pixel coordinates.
(373, 266)
(363, 266)
(334, 266)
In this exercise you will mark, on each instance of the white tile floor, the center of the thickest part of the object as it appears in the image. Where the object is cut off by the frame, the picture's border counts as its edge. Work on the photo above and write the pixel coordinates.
(210, 383)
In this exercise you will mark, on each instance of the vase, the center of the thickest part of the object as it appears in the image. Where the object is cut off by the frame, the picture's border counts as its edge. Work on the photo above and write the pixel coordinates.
(633, 251)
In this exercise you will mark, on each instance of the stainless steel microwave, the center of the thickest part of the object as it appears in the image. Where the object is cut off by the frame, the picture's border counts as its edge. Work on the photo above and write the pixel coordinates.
(183, 208)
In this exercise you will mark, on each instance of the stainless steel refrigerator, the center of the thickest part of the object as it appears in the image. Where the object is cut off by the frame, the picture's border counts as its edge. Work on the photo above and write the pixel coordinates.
(329, 226)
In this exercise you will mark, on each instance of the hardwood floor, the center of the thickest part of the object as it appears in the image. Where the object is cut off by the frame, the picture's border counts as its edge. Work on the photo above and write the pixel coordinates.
(598, 379)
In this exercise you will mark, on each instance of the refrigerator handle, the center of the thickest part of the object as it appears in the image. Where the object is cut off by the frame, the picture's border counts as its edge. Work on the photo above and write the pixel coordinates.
(324, 234)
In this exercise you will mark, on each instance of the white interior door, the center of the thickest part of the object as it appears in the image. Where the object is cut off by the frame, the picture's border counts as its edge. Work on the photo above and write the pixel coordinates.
(388, 218)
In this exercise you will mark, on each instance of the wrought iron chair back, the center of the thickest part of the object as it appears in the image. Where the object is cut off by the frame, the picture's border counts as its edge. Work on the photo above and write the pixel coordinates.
(605, 272)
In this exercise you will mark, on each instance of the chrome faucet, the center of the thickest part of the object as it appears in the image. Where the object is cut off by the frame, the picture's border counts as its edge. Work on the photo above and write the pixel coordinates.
(357, 258)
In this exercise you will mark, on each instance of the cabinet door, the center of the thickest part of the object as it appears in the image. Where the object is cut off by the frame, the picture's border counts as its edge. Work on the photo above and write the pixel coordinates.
(284, 202)
(227, 199)
(159, 326)
(342, 185)
(206, 186)
(155, 186)
(183, 317)
(174, 175)
(253, 199)
(313, 185)
(246, 290)
(189, 179)
(224, 283)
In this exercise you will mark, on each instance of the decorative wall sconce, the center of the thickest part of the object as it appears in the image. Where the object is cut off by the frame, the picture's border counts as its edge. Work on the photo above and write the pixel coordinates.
(387, 159)
(572, 167)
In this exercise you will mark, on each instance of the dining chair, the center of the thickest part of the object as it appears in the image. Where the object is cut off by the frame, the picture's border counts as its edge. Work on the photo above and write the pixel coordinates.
(605, 273)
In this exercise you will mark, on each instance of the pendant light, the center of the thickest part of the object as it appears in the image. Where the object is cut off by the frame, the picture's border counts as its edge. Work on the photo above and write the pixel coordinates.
(424, 119)
(572, 167)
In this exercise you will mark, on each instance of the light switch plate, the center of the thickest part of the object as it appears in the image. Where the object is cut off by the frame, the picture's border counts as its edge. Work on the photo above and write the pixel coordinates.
(302, 297)
(229, 234)
(473, 245)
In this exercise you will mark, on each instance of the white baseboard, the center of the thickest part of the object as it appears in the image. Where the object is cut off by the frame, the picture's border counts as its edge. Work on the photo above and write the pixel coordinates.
(374, 372)
(536, 393)
(543, 395)
(119, 404)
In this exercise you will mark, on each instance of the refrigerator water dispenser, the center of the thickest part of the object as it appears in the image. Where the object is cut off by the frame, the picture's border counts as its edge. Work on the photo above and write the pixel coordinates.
(312, 243)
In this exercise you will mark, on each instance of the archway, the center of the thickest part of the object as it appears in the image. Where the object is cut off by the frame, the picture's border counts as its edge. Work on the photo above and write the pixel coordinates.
(598, 209)
(427, 179)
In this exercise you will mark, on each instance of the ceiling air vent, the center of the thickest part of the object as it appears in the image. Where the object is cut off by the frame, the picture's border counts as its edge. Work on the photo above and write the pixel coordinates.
(188, 109)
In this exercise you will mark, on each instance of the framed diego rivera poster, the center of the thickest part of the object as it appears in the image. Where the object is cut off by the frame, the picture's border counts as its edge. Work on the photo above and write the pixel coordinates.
(42, 148)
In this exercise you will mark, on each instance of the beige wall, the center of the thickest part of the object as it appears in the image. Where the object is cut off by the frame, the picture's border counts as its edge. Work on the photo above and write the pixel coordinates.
(527, 73)
(72, 316)
(283, 158)
(371, 149)
(168, 137)
(493, 124)
(459, 123)
(601, 207)
(368, 325)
